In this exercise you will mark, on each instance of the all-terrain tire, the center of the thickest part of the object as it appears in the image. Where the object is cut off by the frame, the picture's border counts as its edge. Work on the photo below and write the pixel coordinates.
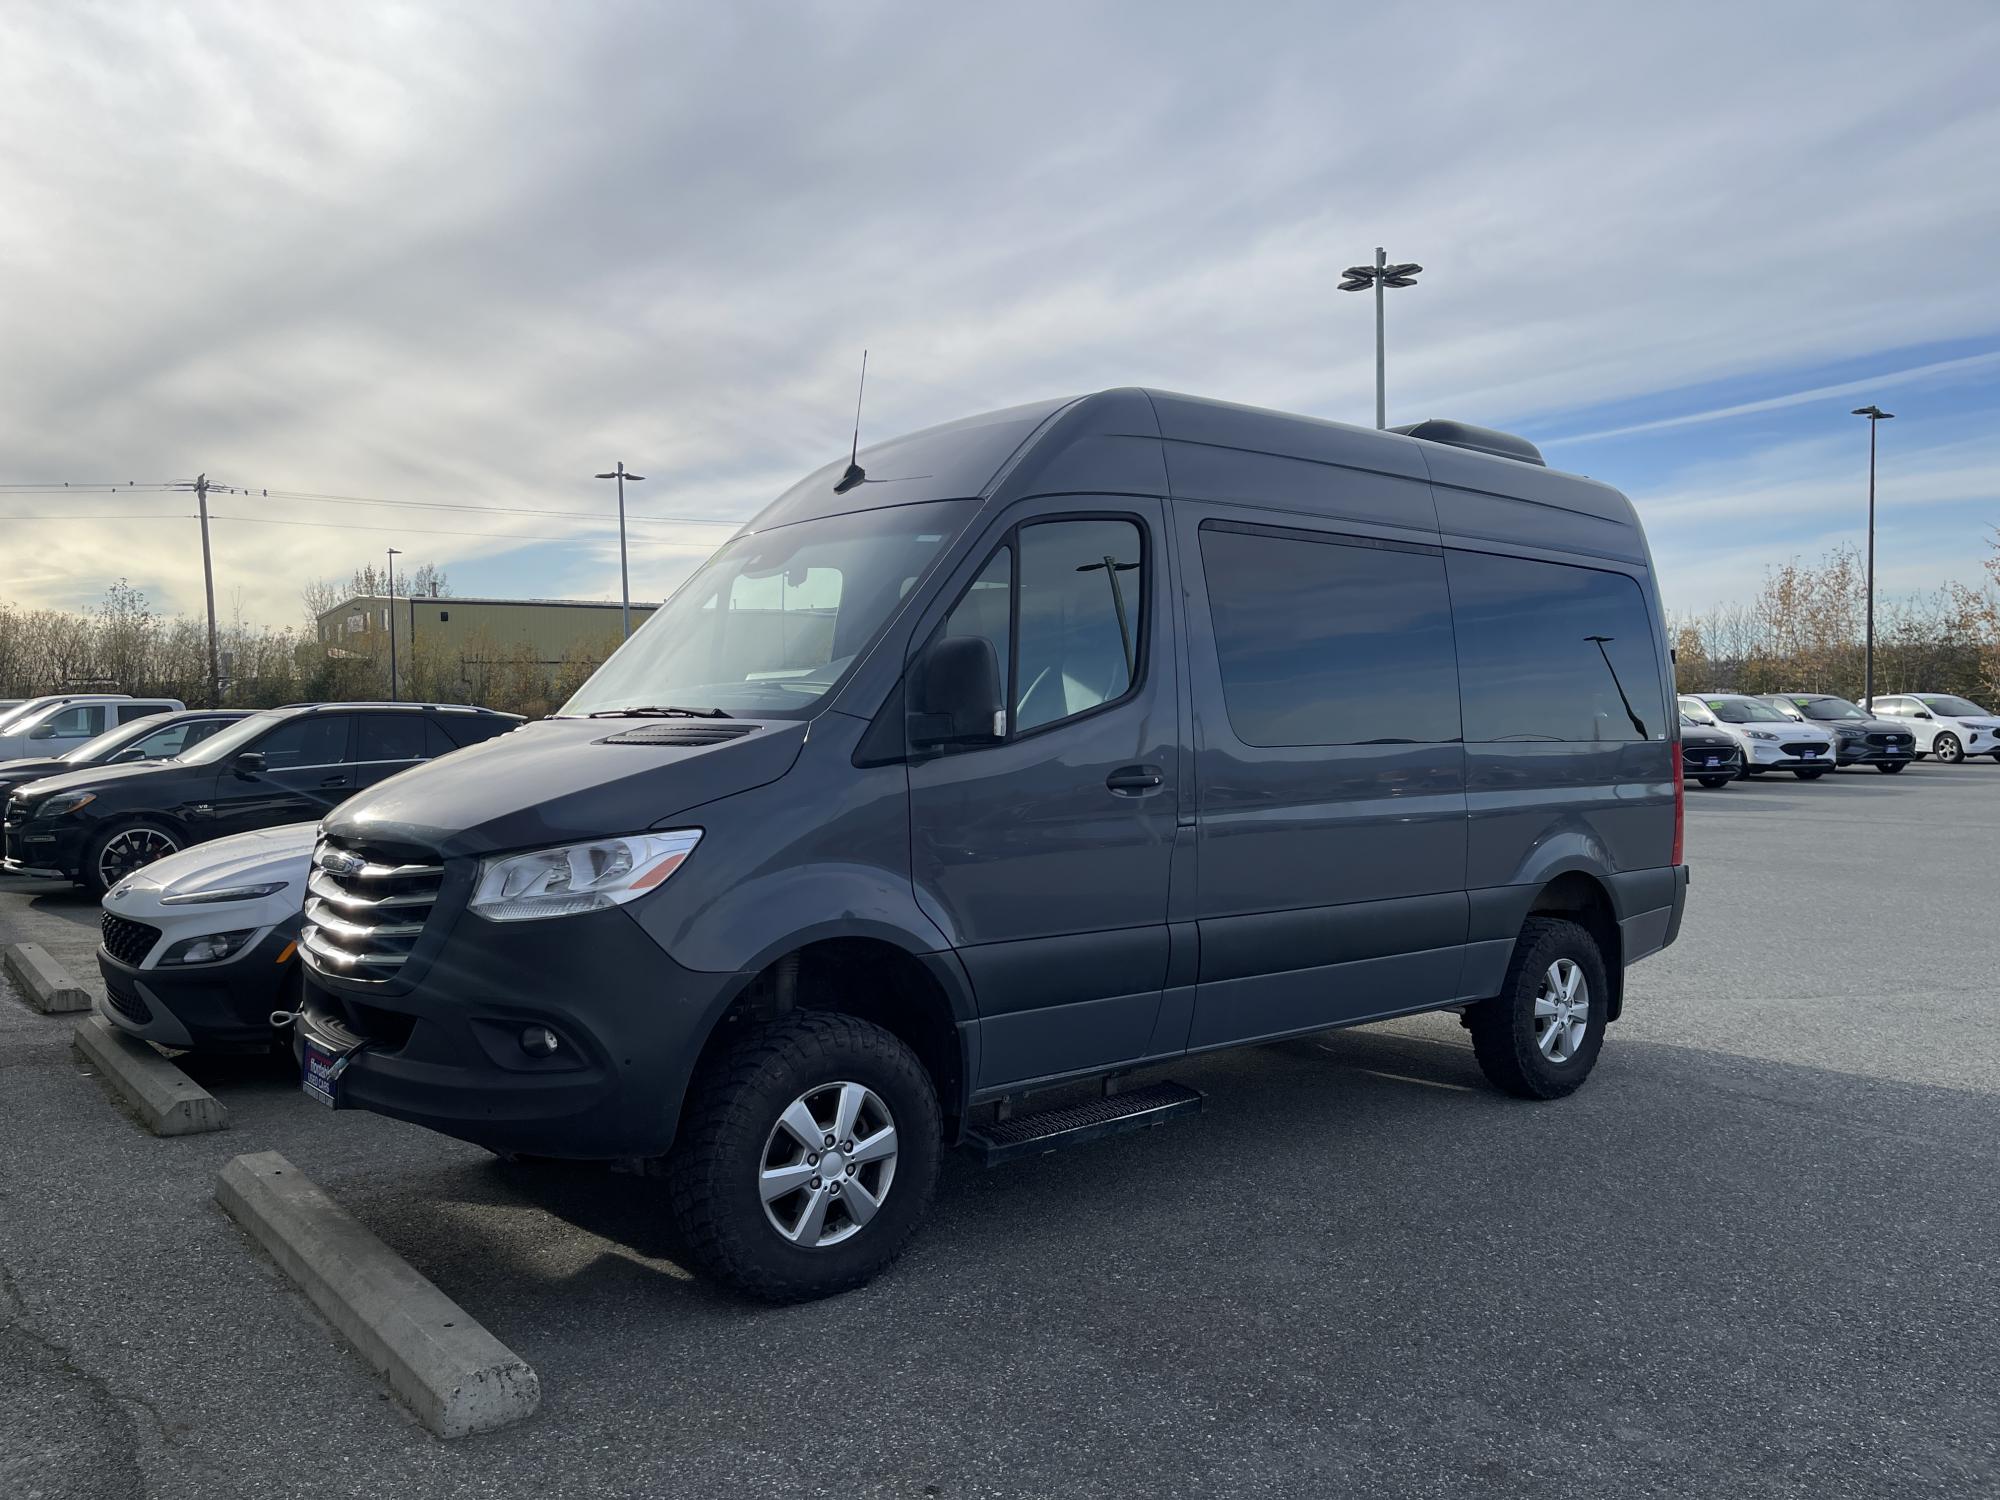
(733, 1110)
(1504, 1028)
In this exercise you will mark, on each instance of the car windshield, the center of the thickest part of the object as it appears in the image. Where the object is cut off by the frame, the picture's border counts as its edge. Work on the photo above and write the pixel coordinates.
(775, 618)
(226, 742)
(1745, 711)
(111, 741)
(1952, 708)
(1831, 708)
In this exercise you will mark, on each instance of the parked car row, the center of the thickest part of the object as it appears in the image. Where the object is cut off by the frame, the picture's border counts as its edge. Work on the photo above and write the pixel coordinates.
(1727, 736)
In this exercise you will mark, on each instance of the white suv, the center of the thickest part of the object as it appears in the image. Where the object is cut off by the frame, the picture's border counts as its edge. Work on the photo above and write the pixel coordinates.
(1947, 727)
(1770, 741)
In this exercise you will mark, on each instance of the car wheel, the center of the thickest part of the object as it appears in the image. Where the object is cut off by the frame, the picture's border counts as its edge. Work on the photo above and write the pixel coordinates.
(1891, 767)
(807, 1157)
(1996, 755)
(1712, 782)
(123, 848)
(1539, 1037)
(1947, 749)
(1810, 775)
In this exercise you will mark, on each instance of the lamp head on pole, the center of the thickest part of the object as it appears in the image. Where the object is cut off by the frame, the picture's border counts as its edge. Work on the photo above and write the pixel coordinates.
(1873, 413)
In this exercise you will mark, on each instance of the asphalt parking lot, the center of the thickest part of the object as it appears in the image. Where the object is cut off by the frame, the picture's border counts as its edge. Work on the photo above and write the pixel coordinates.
(1756, 1256)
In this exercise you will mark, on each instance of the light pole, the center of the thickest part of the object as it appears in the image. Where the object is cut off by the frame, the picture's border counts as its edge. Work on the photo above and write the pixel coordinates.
(1874, 414)
(624, 581)
(1380, 275)
(394, 553)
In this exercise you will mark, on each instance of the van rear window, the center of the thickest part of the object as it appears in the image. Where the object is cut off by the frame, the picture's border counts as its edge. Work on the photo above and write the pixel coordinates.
(1324, 640)
(1548, 651)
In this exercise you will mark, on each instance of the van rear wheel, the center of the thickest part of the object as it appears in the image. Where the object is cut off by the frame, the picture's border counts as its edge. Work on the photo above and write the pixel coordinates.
(1540, 1036)
(807, 1157)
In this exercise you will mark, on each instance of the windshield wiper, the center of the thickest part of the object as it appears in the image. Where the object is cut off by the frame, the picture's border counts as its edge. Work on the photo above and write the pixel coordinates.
(657, 711)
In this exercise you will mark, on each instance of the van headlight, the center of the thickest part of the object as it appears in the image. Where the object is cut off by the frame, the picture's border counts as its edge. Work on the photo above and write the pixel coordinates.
(572, 878)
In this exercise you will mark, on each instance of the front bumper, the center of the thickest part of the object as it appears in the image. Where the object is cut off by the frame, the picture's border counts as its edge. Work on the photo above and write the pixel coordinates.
(444, 1051)
(1770, 755)
(222, 1007)
(1861, 753)
(51, 850)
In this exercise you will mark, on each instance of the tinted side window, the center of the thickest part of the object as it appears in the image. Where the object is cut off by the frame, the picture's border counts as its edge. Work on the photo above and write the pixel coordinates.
(1081, 601)
(436, 741)
(1330, 640)
(127, 712)
(310, 740)
(986, 609)
(200, 730)
(470, 729)
(390, 737)
(1553, 652)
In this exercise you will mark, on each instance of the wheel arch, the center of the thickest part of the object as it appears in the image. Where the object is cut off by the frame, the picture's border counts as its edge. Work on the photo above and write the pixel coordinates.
(1579, 896)
(922, 999)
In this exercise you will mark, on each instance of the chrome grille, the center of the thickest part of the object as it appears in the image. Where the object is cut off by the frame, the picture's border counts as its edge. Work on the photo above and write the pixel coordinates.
(365, 909)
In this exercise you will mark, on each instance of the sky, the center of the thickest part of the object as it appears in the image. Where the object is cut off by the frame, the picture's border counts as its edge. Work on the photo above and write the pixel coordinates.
(464, 257)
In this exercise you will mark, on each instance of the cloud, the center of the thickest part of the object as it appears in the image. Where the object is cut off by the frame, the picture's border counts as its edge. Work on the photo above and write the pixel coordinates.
(475, 253)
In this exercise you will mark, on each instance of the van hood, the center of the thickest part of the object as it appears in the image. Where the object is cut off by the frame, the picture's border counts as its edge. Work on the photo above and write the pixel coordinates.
(256, 858)
(560, 780)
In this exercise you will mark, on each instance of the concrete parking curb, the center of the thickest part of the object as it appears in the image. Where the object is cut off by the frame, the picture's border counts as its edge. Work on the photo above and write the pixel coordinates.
(166, 1100)
(45, 984)
(455, 1375)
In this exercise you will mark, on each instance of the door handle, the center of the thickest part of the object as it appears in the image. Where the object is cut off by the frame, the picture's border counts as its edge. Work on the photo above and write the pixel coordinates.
(334, 781)
(1135, 781)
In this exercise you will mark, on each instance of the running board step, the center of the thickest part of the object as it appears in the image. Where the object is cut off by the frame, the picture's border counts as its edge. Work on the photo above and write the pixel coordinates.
(1073, 1124)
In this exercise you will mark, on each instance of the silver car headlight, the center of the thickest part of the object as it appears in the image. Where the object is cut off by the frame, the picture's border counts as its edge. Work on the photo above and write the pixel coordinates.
(572, 878)
(230, 893)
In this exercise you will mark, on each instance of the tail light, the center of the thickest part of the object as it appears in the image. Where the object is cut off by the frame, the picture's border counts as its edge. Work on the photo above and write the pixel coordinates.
(1680, 810)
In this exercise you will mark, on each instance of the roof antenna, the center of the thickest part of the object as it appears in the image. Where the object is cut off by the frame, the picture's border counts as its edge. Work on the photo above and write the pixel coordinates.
(855, 473)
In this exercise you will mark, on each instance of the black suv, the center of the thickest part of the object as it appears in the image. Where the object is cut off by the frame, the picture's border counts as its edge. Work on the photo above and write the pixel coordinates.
(288, 765)
(1859, 738)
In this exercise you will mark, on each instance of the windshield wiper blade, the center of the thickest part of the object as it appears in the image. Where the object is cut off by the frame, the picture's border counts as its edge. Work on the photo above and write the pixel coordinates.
(657, 711)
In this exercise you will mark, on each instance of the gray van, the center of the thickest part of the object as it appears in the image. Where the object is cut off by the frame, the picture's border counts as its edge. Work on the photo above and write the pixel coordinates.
(1025, 751)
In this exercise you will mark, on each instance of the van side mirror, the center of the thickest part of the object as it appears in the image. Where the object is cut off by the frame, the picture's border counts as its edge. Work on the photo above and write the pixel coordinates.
(248, 762)
(955, 693)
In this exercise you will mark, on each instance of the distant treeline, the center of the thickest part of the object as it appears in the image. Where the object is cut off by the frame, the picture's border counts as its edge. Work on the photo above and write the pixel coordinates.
(1802, 633)
(1805, 632)
(122, 645)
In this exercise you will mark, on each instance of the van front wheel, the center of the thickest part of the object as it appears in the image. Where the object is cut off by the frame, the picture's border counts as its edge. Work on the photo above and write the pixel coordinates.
(1539, 1037)
(807, 1157)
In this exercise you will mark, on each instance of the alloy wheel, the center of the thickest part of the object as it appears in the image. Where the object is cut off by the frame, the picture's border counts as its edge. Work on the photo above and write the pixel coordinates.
(1562, 1010)
(828, 1164)
(129, 850)
(1948, 749)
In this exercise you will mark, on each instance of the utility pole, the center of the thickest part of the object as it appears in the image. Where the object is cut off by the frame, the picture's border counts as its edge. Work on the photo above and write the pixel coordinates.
(1875, 415)
(1379, 276)
(624, 580)
(393, 555)
(208, 588)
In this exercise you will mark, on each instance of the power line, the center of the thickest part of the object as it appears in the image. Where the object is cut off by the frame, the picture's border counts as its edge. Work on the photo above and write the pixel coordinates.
(318, 498)
(493, 536)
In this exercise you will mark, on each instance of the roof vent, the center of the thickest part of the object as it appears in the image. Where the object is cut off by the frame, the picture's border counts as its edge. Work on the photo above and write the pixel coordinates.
(1479, 439)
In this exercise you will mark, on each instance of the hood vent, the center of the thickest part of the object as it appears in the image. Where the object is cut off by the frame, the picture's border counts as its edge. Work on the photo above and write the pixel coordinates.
(679, 734)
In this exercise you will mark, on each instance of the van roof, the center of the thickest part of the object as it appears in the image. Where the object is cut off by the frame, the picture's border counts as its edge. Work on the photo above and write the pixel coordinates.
(1132, 441)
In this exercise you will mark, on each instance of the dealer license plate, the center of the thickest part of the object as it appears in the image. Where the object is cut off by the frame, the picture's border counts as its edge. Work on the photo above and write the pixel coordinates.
(320, 1074)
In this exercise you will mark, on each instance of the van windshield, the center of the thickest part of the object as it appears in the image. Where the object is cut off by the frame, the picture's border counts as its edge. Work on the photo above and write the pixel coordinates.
(775, 618)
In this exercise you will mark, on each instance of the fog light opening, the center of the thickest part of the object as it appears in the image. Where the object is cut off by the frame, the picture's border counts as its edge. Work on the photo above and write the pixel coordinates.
(539, 1041)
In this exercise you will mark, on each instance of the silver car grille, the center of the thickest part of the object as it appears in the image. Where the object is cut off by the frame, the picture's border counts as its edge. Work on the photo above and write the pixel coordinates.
(365, 910)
